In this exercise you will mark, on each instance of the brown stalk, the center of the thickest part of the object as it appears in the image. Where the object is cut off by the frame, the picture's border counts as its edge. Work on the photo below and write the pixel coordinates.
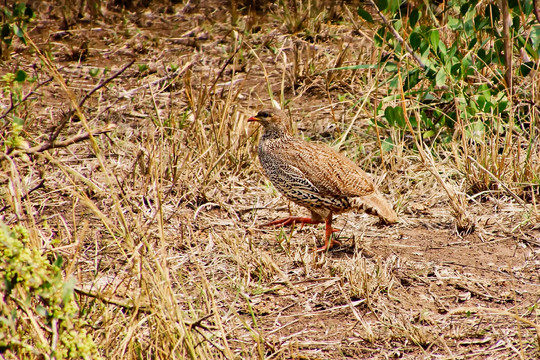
(536, 10)
(507, 20)
(71, 96)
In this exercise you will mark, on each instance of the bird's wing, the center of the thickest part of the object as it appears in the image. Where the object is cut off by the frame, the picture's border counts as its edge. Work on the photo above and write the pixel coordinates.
(290, 180)
(329, 172)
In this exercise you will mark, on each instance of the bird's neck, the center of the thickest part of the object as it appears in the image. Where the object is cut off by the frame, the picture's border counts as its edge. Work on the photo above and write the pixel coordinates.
(275, 133)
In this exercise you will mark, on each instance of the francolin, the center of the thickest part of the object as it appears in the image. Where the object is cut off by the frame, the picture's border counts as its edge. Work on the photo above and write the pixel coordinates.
(316, 177)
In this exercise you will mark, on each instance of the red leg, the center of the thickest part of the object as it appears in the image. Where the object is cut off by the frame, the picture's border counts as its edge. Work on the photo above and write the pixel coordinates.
(292, 220)
(328, 241)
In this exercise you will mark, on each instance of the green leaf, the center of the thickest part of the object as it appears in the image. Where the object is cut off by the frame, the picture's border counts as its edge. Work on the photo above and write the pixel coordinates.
(391, 67)
(400, 119)
(453, 51)
(58, 262)
(464, 8)
(393, 6)
(394, 115)
(41, 310)
(472, 43)
(6, 31)
(454, 24)
(365, 15)
(20, 34)
(18, 9)
(413, 17)
(468, 26)
(493, 12)
(382, 4)
(8, 13)
(526, 68)
(17, 125)
(398, 24)
(535, 36)
(389, 115)
(387, 144)
(142, 67)
(440, 79)
(501, 106)
(480, 22)
(527, 7)
(442, 49)
(483, 104)
(379, 36)
(415, 39)
(20, 76)
(484, 55)
(412, 78)
(67, 290)
(428, 134)
(475, 130)
(456, 70)
(434, 39)
(516, 23)
(29, 13)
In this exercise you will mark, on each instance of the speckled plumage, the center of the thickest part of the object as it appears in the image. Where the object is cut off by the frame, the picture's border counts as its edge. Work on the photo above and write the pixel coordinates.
(315, 176)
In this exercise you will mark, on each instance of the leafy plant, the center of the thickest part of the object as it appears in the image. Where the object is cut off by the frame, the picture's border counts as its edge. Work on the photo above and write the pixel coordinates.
(14, 23)
(38, 316)
(453, 65)
(14, 115)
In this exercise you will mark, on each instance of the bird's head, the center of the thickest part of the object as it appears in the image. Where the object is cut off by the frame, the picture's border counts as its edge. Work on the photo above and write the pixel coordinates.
(273, 121)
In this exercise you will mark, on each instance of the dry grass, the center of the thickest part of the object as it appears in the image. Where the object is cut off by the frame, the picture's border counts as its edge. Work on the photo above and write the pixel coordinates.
(158, 219)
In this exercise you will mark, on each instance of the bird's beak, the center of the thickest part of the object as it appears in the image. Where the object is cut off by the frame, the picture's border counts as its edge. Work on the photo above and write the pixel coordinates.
(254, 118)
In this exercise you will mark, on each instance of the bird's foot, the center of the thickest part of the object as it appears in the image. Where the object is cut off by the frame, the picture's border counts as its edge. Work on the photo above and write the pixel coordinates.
(327, 246)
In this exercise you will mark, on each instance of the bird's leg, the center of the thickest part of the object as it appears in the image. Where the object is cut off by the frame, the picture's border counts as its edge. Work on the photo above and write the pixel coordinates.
(329, 242)
(291, 220)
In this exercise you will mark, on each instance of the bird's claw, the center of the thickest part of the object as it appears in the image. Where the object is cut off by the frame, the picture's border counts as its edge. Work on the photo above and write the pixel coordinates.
(327, 246)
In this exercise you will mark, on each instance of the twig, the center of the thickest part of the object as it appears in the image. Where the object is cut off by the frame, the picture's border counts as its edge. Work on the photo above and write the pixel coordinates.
(175, 74)
(145, 309)
(464, 223)
(494, 311)
(33, 91)
(68, 116)
(506, 188)
(122, 304)
(100, 85)
(397, 36)
(59, 144)
(39, 185)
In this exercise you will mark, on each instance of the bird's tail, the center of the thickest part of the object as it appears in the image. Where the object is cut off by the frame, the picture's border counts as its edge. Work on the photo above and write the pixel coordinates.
(376, 204)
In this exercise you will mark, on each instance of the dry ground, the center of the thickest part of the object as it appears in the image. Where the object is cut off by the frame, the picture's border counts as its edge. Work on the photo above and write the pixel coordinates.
(167, 232)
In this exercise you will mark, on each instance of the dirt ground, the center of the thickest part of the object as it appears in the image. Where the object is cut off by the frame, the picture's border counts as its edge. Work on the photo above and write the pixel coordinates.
(415, 290)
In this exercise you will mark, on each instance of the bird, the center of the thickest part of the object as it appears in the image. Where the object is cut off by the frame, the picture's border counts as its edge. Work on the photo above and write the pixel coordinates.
(316, 177)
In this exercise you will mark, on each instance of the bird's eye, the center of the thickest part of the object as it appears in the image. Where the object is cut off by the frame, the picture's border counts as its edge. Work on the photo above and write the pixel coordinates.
(263, 114)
